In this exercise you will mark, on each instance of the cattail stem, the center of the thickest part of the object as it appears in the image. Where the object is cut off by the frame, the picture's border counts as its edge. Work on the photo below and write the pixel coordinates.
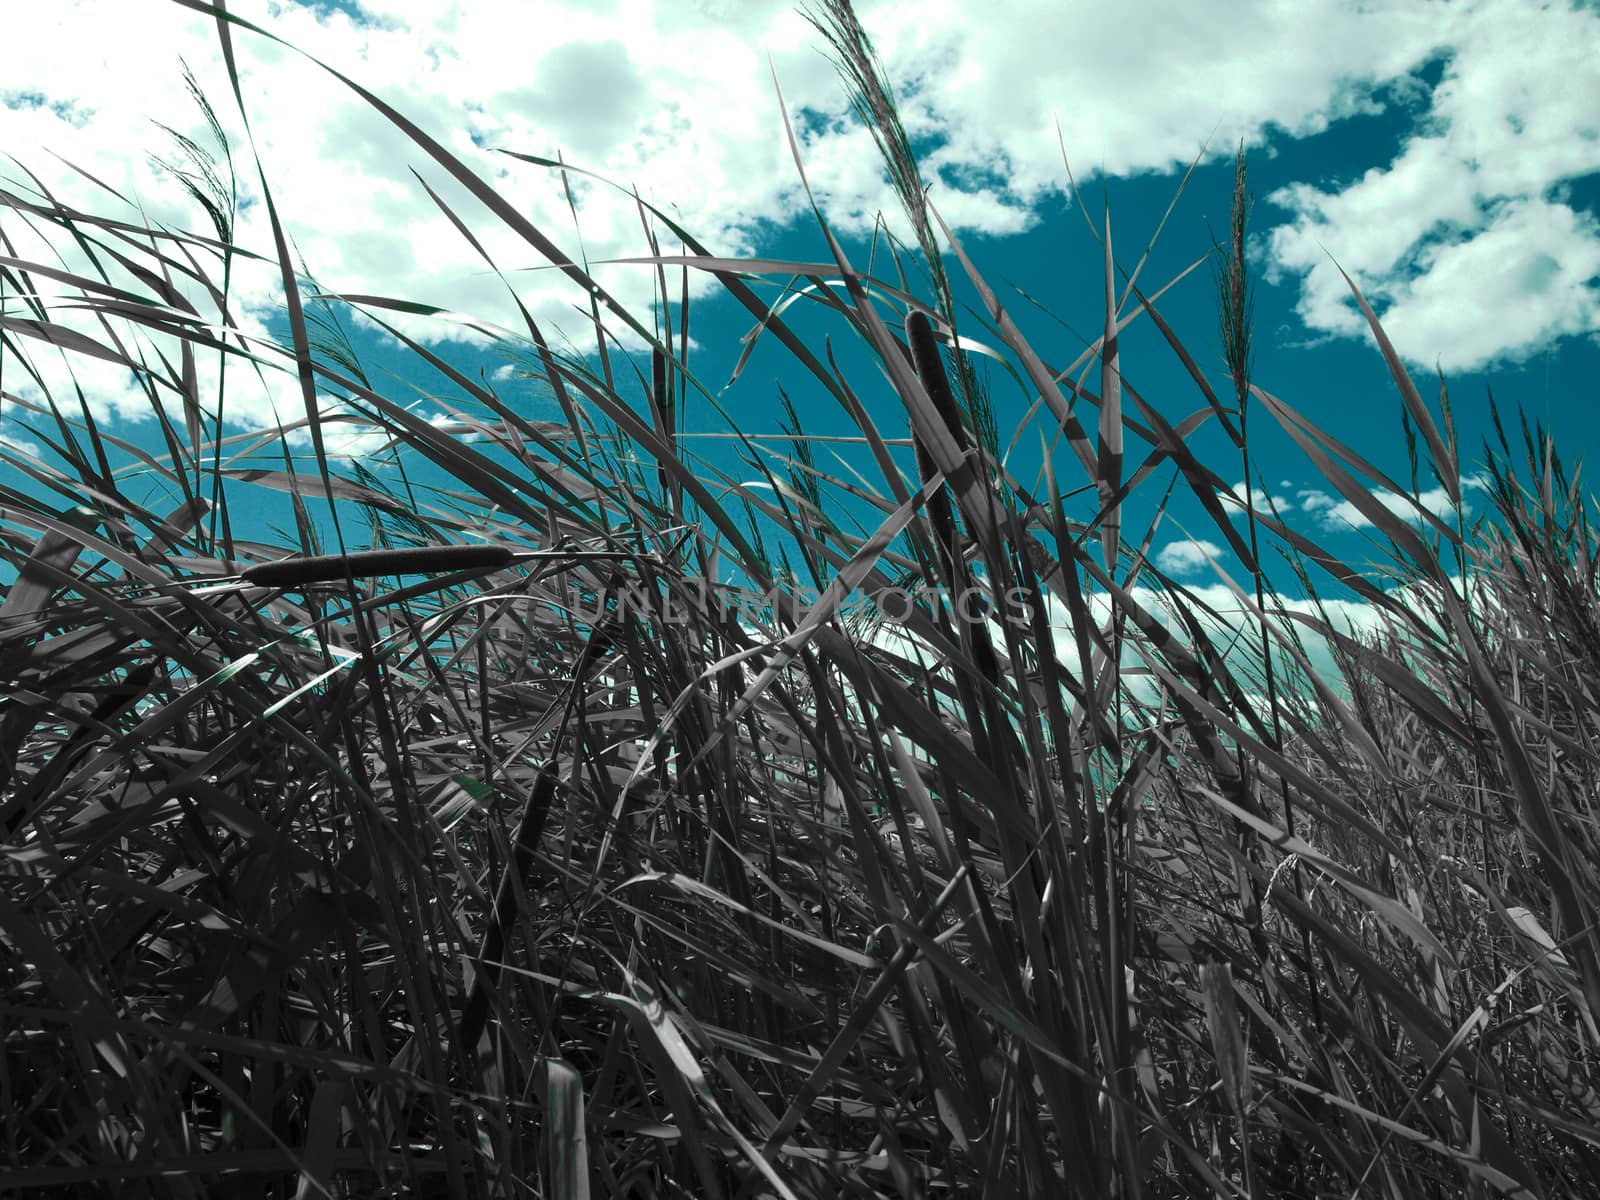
(292, 572)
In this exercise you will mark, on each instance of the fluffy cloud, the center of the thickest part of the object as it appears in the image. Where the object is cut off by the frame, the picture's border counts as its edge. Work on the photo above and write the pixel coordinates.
(1466, 244)
(1265, 501)
(678, 99)
(1187, 557)
(20, 445)
(1338, 515)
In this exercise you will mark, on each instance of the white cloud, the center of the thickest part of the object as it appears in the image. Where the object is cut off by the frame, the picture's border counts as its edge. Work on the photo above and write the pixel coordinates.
(1338, 515)
(1233, 628)
(20, 446)
(678, 99)
(1352, 618)
(357, 442)
(1187, 557)
(1264, 501)
(1465, 245)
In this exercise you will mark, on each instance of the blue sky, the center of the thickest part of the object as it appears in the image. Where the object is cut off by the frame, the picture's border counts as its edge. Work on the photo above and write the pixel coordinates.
(1446, 154)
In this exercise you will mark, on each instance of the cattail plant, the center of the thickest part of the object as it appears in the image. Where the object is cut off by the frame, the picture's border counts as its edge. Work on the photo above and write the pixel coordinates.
(572, 867)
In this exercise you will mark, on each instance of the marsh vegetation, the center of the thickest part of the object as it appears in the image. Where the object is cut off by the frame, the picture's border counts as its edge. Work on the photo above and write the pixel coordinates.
(464, 879)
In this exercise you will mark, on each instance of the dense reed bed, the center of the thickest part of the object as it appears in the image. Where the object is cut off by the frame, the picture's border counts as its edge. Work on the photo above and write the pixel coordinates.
(565, 867)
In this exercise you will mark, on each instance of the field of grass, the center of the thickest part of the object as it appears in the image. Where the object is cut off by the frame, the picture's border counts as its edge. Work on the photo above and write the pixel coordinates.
(568, 869)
